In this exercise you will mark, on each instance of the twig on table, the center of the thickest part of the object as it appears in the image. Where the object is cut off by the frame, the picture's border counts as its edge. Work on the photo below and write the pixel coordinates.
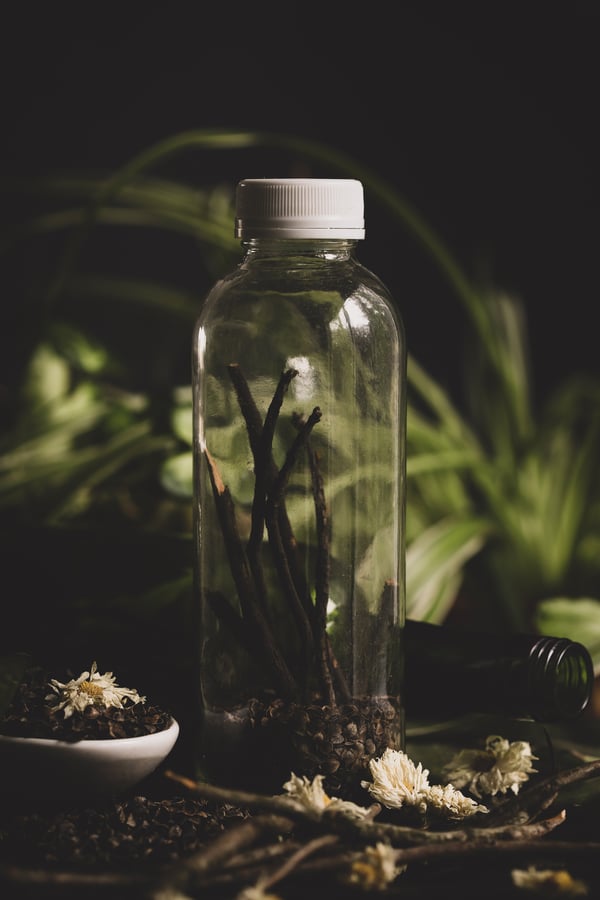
(236, 838)
(401, 835)
(278, 805)
(299, 856)
(556, 850)
(362, 830)
(538, 797)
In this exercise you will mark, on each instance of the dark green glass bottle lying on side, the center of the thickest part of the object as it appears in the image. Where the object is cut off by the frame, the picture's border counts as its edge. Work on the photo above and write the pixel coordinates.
(453, 672)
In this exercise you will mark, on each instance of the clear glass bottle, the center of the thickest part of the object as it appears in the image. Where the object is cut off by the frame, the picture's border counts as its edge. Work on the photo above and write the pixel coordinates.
(299, 364)
(451, 672)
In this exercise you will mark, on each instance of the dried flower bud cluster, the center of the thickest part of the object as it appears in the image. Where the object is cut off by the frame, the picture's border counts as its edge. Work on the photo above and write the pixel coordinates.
(312, 795)
(375, 868)
(549, 882)
(397, 782)
(503, 766)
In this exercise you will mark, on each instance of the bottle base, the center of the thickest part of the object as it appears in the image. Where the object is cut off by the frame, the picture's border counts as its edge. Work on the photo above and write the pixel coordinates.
(256, 747)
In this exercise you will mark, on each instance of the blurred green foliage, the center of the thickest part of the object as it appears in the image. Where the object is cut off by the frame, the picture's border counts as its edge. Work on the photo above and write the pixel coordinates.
(503, 515)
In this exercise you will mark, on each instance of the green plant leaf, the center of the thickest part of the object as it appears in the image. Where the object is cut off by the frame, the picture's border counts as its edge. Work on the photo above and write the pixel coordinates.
(487, 464)
(177, 475)
(434, 561)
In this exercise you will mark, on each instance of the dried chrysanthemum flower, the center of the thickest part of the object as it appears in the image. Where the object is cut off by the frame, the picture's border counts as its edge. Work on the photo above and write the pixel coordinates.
(375, 868)
(173, 893)
(255, 892)
(308, 793)
(311, 794)
(500, 767)
(90, 689)
(549, 882)
(451, 804)
(398, 782)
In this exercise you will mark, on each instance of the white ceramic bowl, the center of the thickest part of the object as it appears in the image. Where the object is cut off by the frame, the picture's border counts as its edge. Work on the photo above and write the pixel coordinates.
(86, 767)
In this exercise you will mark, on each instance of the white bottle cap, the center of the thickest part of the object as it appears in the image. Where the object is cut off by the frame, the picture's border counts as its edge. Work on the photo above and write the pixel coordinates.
(300, 208)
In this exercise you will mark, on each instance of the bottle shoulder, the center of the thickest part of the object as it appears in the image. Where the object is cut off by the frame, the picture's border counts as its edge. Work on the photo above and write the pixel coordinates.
(317, 281)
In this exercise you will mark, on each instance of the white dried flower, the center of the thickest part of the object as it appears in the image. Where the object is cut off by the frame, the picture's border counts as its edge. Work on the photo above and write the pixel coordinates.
(255, 892)
(548, 882)
(312, 795)
(501, 767)
(90, 689)
(451, 803)
(397, 781)
(375, 868)
(169, 892)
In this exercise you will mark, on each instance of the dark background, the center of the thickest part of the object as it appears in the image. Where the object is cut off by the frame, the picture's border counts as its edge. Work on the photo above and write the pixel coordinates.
(482, 114)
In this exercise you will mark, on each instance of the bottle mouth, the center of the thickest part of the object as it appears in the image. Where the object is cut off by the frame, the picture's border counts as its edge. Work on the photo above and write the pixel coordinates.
(570, 665)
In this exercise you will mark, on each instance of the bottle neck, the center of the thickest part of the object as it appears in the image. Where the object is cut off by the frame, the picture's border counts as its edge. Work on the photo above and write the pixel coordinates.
(315, 248)
(454, 672)
(560, 676)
